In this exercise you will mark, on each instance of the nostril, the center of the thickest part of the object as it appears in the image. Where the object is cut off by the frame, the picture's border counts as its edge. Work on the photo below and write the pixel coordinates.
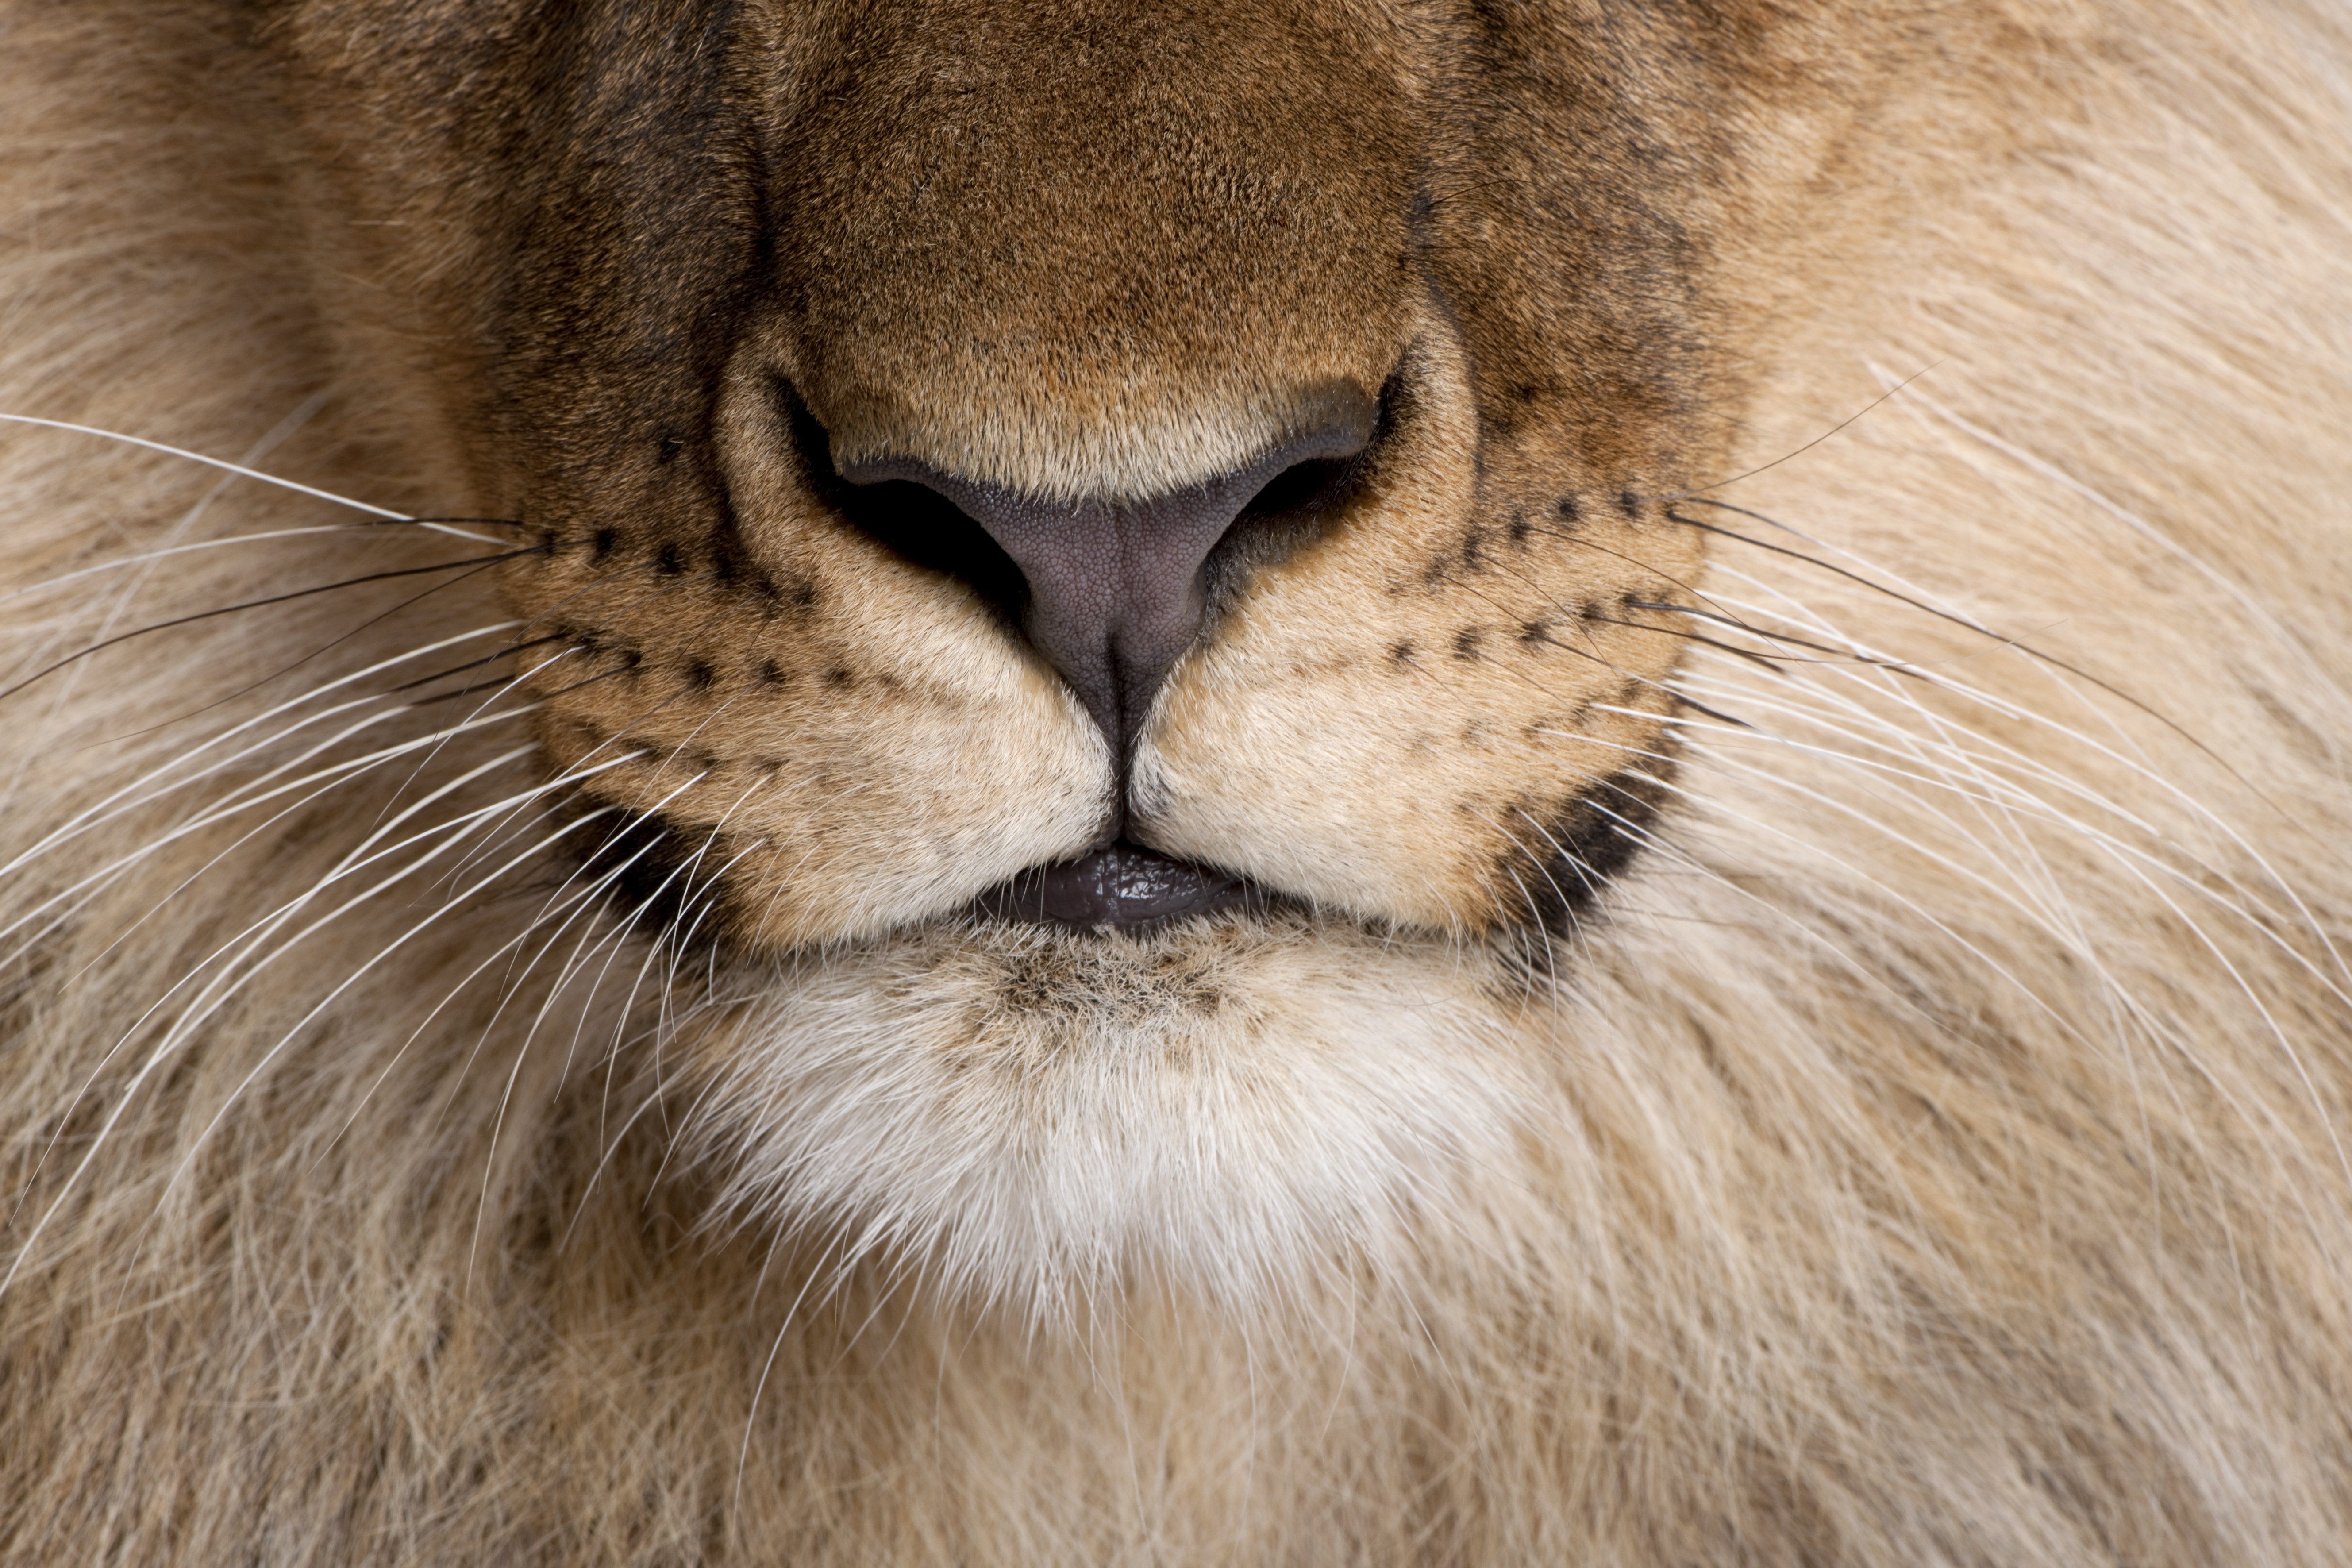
(932, 531)
(1312, 485)
(1330, 464)
(909, 518)
(1294, 507)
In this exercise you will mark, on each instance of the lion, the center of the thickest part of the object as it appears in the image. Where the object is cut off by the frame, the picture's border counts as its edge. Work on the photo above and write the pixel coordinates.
(972, 783)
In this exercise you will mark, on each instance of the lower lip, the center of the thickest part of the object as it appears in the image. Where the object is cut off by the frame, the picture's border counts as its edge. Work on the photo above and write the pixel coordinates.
(1123, 887)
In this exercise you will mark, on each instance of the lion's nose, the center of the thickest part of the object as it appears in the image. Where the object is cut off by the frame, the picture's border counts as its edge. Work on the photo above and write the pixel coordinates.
(1115, 589)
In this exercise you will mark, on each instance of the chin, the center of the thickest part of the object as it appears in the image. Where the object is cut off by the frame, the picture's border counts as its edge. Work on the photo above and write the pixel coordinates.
(1037, 1117)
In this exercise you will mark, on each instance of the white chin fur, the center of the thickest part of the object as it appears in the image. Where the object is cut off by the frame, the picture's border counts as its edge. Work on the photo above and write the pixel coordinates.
(1024, 1116)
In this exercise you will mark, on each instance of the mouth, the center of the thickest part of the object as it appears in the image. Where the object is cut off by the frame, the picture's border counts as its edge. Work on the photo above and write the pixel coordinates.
(1121, 887)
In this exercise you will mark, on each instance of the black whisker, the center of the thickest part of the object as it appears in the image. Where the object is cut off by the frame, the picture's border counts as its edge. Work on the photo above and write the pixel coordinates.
(1839, 655)
(415, 598)
(507, 652)
(1636, 562)
(1799, 452)
(1716, 714)
(590, 681)
(495, 684)
(1961, 621)
(1769, 660)
(478, 562)
(478, 565)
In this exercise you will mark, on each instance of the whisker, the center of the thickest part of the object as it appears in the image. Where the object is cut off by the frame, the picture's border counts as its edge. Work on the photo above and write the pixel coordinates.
(263, 603)
(494, 685)
(502, 951)
(259, 930)
(2009, 798)
(475, 664)
(120, 600)
(115, 805)
(1768, 777)
(490, 844)
(1753, 656)
(125, 934)
(242, 471)
(336, 776)
(2141, 770)
(498, 689)
(333, 643)
(1800, 451)
(1961, 621)
(149, 557)
(349, 980)
(581, 904)
(217, 994)
(1838, 656)
(2043, 468)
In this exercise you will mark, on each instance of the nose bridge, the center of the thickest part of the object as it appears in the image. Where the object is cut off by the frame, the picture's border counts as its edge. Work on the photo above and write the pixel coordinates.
(1114, 587)
(1091, 251)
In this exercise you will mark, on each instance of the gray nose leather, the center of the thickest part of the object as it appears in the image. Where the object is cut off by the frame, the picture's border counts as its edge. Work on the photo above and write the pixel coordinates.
(1115, 591)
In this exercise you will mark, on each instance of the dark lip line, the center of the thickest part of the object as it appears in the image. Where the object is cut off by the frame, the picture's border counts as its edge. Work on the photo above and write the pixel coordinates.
(1124, 888)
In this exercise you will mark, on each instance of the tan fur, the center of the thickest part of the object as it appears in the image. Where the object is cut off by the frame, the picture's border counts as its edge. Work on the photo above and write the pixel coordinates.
(1927, 1149)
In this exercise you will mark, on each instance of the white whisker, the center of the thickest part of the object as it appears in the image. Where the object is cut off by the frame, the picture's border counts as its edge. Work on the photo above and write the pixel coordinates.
(241, 471)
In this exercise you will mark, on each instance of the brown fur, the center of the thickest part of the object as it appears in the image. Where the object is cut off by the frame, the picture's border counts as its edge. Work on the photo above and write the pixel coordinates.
(1808, 1023)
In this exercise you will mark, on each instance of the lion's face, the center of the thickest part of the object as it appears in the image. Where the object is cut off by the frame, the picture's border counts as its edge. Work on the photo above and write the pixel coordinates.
(947, 780)
(1138, 550)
